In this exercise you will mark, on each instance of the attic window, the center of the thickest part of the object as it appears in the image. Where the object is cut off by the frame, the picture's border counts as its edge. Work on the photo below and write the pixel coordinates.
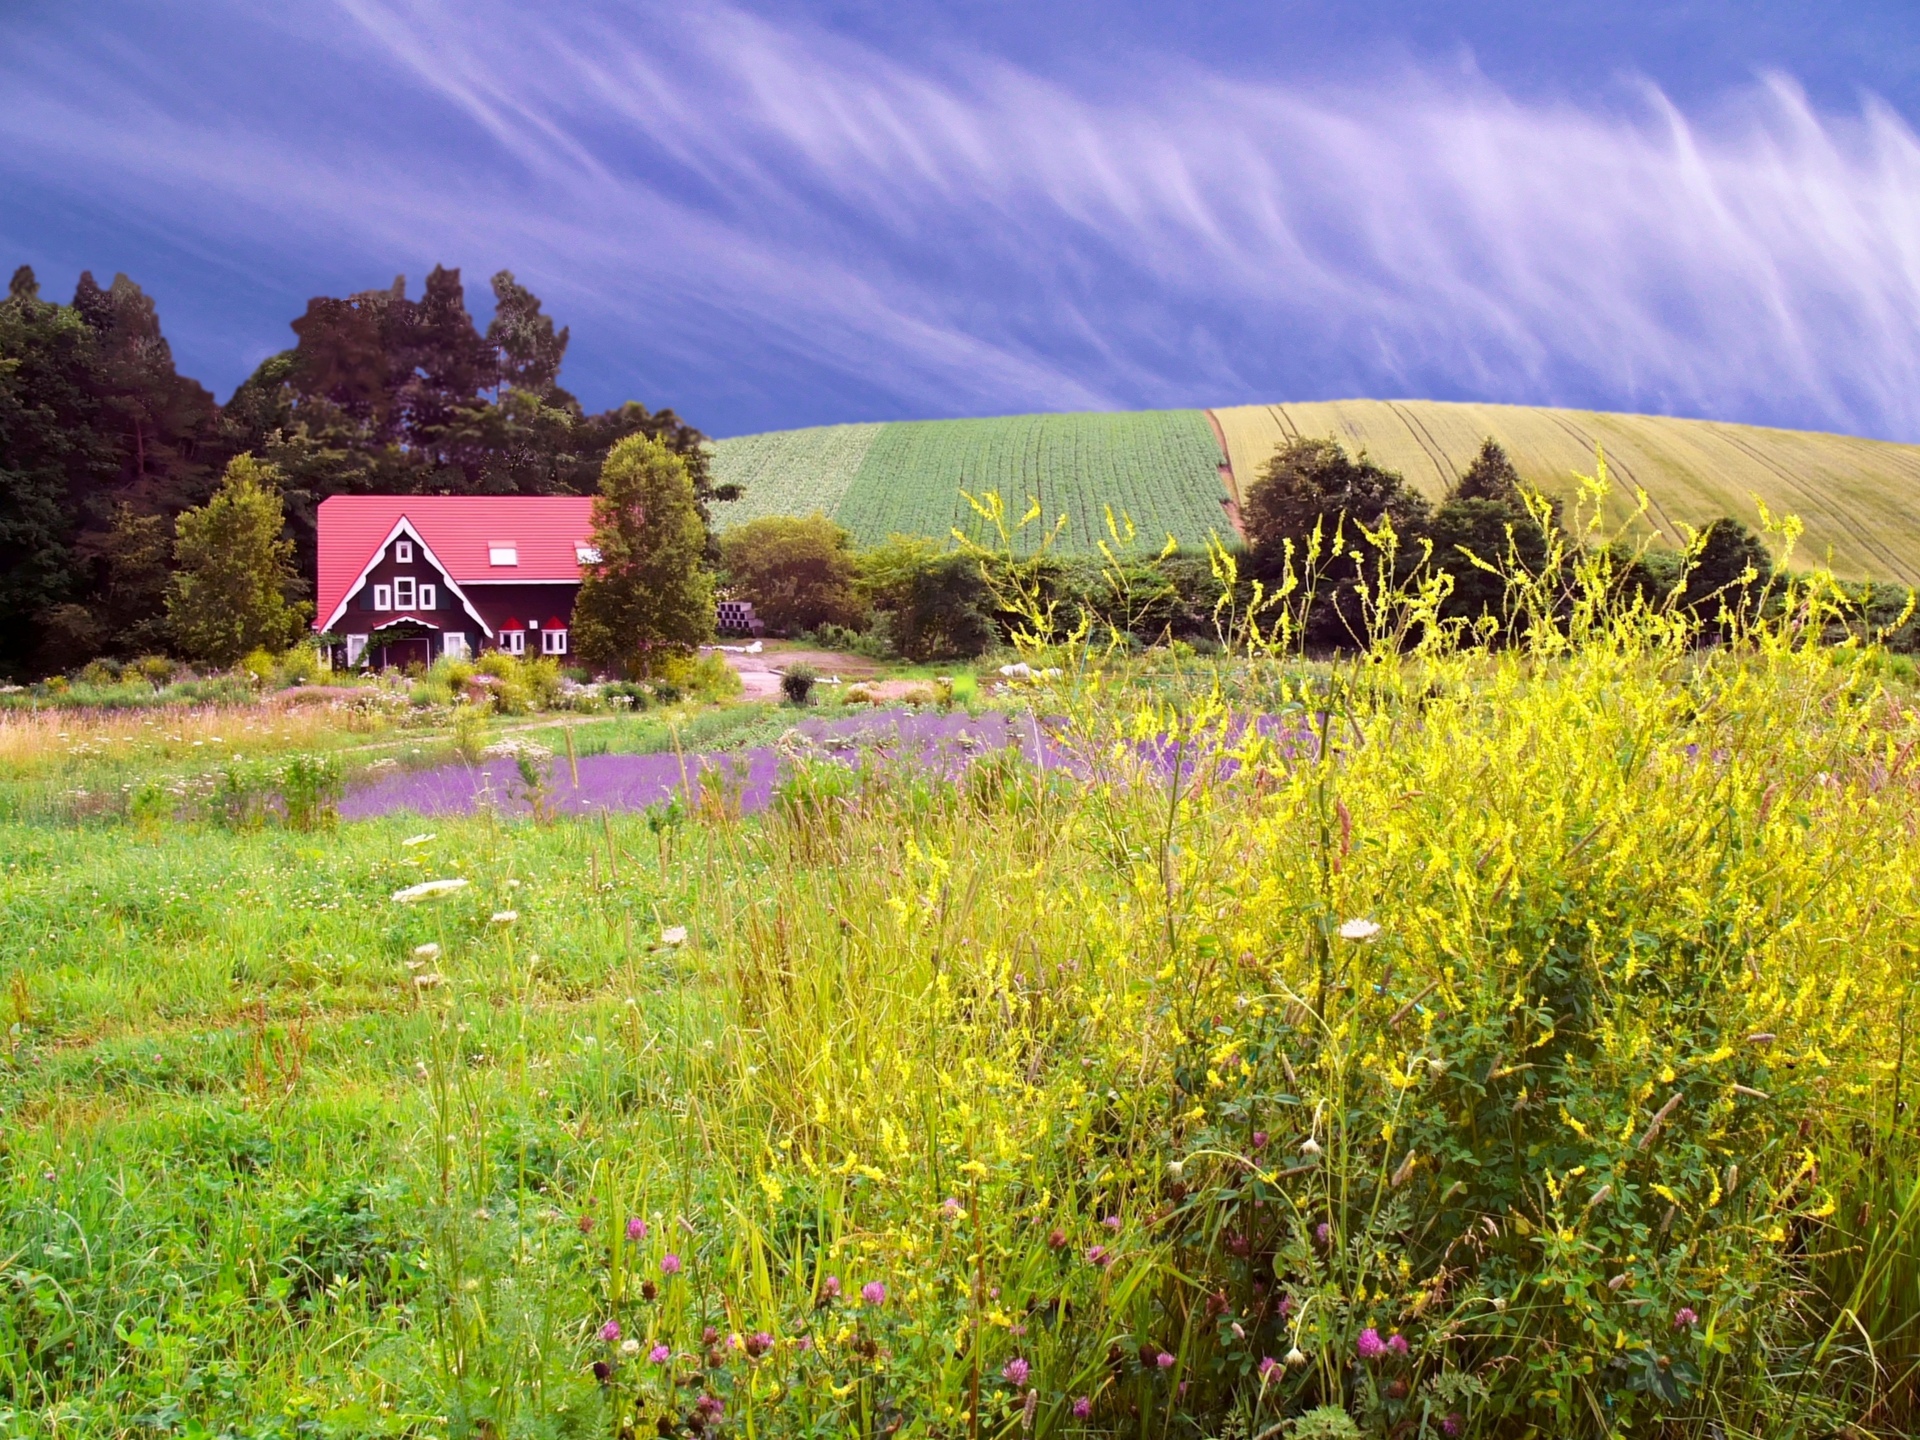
(586, 554)
(503, 553)
(403, 552)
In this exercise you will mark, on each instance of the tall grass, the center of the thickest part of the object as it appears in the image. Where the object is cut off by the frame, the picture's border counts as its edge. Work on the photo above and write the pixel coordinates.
(1438, 1042)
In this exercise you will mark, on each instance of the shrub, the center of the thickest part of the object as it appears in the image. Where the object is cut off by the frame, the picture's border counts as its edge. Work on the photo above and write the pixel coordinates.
(706, 676)
(300, 665)
(257, 665)
(936, 602)
(157, 670)
(799, 573)
(796, 683)
(875, 642)
(310, 788)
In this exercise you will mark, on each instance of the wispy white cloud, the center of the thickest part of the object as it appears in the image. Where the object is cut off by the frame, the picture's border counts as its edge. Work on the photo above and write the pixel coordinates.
(762, 206)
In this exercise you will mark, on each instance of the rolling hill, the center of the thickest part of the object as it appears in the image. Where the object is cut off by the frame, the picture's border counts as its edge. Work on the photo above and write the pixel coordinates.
(1180, 472)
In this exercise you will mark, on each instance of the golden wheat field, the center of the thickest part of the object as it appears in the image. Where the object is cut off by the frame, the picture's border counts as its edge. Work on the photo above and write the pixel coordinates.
(1859, 499)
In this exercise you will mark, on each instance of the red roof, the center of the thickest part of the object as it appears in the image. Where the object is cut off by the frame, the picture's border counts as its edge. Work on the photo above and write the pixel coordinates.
(459, 530)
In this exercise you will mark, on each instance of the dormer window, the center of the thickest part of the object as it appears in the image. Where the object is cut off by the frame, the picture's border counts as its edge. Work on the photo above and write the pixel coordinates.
(502, 552)
(403, 552)
(586, 554)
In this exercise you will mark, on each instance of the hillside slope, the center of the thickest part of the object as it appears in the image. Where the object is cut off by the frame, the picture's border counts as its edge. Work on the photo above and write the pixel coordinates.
(1859, 499)
(1162, 467)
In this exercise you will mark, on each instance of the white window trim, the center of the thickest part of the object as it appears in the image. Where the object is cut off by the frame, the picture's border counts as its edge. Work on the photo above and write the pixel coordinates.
(404, 526)
(356, 647)
(454, 644)
(403, 552)
(406, 592)
(429, 597)
(553, 642)
(514, 642)
(382, 599)
(503, 552)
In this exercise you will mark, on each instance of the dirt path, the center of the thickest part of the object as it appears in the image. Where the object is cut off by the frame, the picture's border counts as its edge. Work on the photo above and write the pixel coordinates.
(760, 673)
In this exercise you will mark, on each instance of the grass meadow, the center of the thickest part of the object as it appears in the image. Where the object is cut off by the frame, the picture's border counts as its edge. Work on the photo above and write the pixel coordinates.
(1439, 1043)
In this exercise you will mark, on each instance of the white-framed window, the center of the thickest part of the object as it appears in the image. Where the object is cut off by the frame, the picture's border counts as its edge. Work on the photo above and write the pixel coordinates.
(405, 595)
(553, 642)
(514, 642)
(356, 647)
(403, 551)
(502, 552)
(429, 597)
(383, 597)
(454, 644)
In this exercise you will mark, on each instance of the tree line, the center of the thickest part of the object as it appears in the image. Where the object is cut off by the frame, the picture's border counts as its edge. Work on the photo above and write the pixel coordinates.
(1313, 498)
(104, 445)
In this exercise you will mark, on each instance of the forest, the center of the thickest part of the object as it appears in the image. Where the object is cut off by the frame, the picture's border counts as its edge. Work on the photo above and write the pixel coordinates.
(104, 443)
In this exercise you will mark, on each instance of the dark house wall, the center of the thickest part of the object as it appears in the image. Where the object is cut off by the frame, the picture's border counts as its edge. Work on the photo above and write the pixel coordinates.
(526, 603)
(533, 605)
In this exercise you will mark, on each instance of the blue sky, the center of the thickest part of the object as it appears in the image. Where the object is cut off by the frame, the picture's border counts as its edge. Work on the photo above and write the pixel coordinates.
(783, 215)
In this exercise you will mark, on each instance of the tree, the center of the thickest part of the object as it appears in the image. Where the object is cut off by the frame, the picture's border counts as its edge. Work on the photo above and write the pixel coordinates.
(234, 586)
(1491, 476)
(1315, 482)
(529, 350)
(130, 604)
(1311, 484)
(799, 573)
(384, 394)
(1729, 574)
(649, 595)
(1485, 515)
(936, 602)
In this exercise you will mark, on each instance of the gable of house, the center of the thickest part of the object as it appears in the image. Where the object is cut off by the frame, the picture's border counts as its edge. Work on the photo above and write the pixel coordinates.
(472, 570)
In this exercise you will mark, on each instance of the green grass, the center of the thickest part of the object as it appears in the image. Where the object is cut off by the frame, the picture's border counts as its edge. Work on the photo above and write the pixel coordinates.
(1602, 1113)
(1161, 467)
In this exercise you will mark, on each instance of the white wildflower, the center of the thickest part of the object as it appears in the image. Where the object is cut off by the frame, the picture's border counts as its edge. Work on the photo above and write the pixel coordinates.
(429, 980)
(1296, 1357)
(1310, 1146)
(629, 1348)
(505, 917)
(413, 840)
(428, 890)
(1358, 929)
(674, 935)
(428, 951)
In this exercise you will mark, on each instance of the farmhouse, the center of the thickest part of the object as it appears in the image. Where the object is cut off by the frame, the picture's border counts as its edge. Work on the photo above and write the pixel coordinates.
(406, 578)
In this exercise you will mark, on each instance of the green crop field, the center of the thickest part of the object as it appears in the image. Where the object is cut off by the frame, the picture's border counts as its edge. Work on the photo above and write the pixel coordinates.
(1859, 499)
(1161, 467)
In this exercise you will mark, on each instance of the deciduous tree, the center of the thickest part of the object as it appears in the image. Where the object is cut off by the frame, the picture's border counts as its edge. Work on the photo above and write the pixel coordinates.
(650, 594)
(798, 571)
(234, 586)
